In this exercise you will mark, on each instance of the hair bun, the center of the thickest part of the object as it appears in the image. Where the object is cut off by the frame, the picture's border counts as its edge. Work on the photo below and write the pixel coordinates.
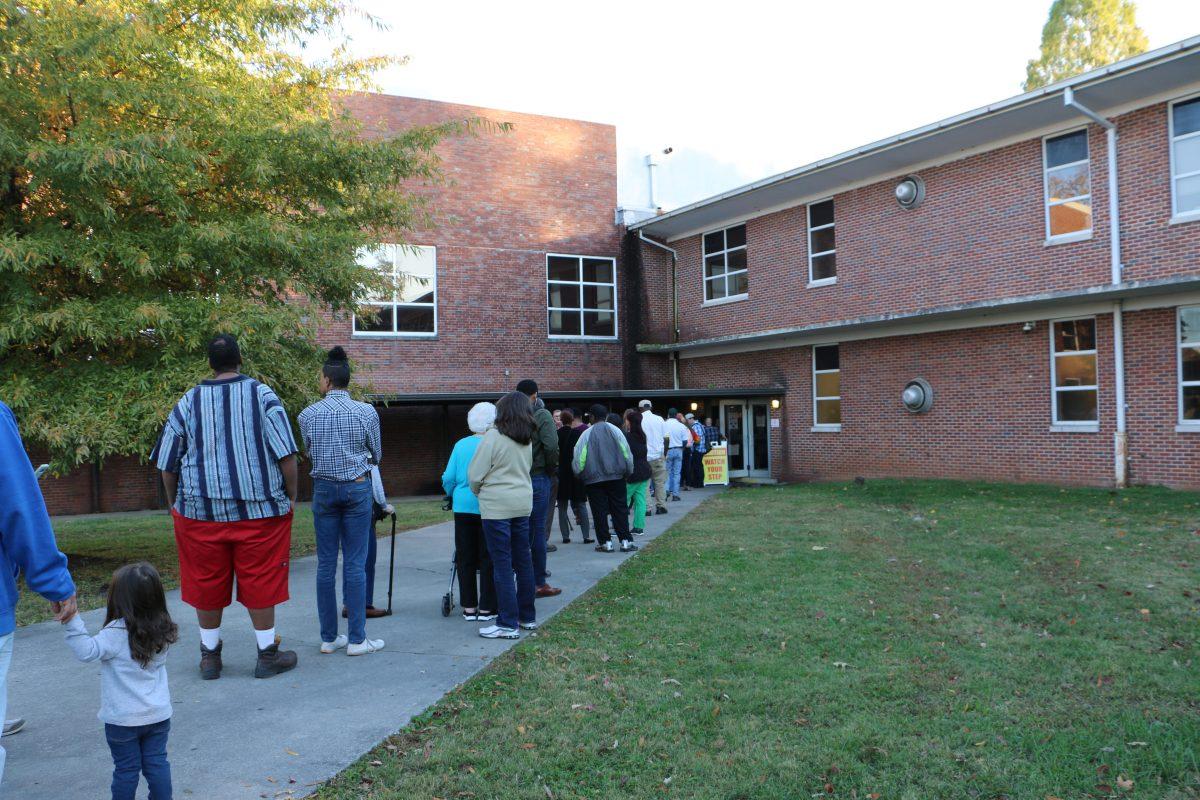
(336, 354)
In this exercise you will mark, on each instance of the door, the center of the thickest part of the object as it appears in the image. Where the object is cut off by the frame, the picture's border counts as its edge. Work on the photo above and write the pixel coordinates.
(758, 460)
(747, 426)
(733, 425)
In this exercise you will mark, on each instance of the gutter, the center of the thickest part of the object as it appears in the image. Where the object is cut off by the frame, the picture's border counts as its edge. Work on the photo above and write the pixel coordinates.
(674, 303)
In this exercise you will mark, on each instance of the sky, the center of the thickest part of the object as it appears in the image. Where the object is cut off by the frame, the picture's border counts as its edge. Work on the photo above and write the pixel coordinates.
(740, 90)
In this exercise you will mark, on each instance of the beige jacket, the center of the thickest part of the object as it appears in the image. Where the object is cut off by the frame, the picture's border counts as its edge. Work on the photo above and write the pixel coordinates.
(499, 477)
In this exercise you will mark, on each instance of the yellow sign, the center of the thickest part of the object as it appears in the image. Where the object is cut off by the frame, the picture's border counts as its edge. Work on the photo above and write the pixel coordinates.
(716, 467)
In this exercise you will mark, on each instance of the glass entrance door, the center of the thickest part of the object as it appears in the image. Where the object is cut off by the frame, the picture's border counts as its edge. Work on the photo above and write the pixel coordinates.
(758, 461)
(747, 426)
(733, 425)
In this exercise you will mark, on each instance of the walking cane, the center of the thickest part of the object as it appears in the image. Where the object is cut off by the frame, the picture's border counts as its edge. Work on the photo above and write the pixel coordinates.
(392, 564)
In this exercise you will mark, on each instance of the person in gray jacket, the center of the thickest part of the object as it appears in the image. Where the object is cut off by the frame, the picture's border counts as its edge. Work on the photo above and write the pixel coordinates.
(602, 460)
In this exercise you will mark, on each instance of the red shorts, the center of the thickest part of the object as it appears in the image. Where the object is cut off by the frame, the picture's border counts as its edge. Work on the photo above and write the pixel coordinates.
(211, 553)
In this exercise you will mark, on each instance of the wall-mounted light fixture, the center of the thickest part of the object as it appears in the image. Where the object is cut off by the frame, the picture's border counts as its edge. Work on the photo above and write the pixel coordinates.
(910, 192)
(695, 406)
(1028, 326)
(917, 396)
(775, 404)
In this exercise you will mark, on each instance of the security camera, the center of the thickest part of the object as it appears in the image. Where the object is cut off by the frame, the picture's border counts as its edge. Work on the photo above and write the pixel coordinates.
(667, 151)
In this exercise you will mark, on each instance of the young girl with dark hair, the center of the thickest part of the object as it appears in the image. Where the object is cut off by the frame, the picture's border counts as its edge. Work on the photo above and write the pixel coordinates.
(135, 702)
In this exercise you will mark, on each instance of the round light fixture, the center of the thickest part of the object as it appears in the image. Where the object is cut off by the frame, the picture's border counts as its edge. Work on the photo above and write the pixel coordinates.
(910, 192)
(917, 396)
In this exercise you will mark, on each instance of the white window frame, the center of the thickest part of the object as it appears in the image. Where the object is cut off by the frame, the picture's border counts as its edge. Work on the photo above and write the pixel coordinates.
(1176, 214)
(395, 304)
(808, 242)
(1184, 424)
(1082, 425)
(704, 278)
(825, 426)
(1073, 236)
(582, 283)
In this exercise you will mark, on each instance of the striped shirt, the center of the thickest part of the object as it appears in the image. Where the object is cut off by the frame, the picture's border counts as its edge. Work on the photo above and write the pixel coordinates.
(341, 436)
(224, 440)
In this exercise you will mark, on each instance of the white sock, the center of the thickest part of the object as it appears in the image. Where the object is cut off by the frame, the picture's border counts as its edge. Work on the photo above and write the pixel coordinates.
(210, 638)
(265, 638)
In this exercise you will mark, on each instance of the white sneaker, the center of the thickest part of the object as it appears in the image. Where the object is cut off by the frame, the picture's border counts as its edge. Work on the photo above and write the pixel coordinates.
(364, 647)
(628, 547)
(486, 616)
(529, 626)
(335, 645)
(497, 632)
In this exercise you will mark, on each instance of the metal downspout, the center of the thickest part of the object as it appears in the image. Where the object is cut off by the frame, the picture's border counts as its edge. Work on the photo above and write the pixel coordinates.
(674, 305)
(1120, 438)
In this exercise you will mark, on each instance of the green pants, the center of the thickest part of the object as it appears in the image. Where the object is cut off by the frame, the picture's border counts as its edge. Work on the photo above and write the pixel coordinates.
(635, 493)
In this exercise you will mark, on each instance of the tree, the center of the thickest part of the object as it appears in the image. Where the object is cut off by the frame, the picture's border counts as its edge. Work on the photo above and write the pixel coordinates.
(171, 169)
(1085, 34)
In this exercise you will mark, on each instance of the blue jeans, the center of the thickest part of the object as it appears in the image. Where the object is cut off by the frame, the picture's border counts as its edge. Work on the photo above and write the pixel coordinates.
(369, 566)
(140, 749)
(508, 545)
(674, 468)
(342, 518)
(6, 646)
(537, 523)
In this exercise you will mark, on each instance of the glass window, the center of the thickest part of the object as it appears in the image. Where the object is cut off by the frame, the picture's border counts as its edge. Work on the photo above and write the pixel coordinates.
(1073, 372)
(410, 307)
(725, 264)
(822, 252)
(1185, 156)
(1189, 365)
(1068, 184)
(581, 296)
(827, 386)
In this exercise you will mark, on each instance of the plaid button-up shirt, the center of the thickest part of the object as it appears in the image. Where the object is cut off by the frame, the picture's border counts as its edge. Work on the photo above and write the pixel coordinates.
(341, 436)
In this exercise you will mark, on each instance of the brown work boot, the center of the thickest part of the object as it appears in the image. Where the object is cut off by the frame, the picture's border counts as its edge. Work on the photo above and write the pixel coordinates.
(210, 662)
(546, 590)
(272, 661)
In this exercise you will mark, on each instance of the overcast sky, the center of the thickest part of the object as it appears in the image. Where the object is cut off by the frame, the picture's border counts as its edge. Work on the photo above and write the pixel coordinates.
(740, 90)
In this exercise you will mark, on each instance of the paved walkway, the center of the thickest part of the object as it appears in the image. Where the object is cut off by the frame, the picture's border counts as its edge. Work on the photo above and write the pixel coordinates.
(244, 738)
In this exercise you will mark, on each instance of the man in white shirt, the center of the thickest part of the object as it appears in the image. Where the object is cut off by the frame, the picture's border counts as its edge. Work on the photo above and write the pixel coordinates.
(654, 427)
(678, 438)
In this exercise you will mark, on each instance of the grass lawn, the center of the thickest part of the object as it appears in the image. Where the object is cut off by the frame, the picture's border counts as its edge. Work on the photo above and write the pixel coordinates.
(95, 547)
(907, 640)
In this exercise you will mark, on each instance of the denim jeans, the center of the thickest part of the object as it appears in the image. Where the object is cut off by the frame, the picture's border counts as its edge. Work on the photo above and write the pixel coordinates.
(342, 518)
(6, 647)
(674, 469)
(537, 526)
(369, 565)
(141, 749)
(508, 545)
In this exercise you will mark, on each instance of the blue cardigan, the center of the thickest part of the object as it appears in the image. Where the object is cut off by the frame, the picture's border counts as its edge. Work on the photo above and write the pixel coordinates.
(26, 539)
(454, 479)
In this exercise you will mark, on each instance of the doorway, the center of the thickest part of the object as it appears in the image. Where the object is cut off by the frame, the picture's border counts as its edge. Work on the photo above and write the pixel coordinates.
(746, 425)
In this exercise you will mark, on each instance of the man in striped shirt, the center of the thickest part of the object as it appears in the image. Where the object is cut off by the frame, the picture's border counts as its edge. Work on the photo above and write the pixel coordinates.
(228, 463)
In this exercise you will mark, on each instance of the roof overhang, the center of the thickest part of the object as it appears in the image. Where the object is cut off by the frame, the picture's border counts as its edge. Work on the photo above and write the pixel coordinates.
(1098, 299)
(1118, 87)
(469, 398)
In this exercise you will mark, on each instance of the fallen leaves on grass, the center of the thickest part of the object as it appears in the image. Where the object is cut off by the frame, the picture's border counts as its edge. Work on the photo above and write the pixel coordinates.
(582, 706)
(1124, 783)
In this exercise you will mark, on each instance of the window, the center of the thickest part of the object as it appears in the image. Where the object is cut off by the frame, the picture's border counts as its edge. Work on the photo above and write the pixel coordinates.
(1189, 366)
(1068, 185)
(1073, 371)
(827, 387)
(725, 264)
(581, 297)
(822, 255)
(411, 308)
(1185, 157)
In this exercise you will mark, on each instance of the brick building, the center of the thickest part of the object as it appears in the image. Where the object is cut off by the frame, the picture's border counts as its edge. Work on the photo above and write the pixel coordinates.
(971, 264)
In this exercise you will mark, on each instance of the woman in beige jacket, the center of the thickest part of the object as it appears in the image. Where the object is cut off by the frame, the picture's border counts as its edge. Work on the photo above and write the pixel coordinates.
(499, 476)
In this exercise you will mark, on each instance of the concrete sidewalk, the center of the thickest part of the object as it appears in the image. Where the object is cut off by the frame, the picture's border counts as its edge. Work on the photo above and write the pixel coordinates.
(244, 738)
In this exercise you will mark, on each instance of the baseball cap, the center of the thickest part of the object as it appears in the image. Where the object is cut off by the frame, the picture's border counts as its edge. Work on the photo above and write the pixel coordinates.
(645, 404)
(689, 416)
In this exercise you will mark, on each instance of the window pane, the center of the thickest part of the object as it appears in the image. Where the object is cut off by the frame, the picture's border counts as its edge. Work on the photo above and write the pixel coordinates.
(375, 320)
(1077, 406)
(821, 240)
(1071, 217)
(415, 268)
(829, 384)
(1191, 402)
(737, 284)
(714, 265)
(1187, 194)
(1189, 324)
(735, 236)
(714, 288)
(564, 323)
(829, 412)
(598, 297)
(598, 270)
(1075, 370)
(599, 323)
(714, 242)
(820, 213)
(414, 319)
(826, 357)
(415, 289)
(735, 259)
(1187, 156)
(380, 259)
(1074, 334)
(1187, 117)
(562, 268)
(1067, 182)
(562, 295)
(1065, 149)
(1190, 356)
(824, 267)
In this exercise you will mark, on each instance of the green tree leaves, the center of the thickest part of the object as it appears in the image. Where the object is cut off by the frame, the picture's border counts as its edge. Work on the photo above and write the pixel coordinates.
(1085, 34)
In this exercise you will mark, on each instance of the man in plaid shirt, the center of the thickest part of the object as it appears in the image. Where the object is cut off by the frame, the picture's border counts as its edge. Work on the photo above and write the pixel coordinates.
(343, 443)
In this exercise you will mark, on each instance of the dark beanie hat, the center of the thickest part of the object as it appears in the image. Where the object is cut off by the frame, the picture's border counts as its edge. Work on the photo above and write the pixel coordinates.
(528, 387)
(598, 412)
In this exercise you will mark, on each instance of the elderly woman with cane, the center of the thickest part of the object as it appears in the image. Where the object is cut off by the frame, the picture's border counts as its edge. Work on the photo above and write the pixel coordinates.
(476, 585)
